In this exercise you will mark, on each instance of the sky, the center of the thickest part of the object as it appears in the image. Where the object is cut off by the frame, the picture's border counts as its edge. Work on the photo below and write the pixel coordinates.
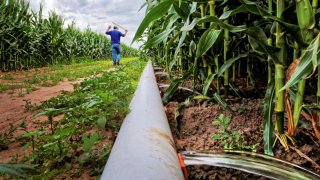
(97, 14)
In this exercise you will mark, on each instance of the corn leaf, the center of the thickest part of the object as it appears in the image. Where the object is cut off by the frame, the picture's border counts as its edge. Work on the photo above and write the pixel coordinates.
(268, 130)
(155, 13)
(258, 42)
(207, 40)
(184, 33)
(157, 39)
(234, 90)
(231, 28)
(174, 86)
(252, 7)
(207, 84)
(222, 103)
(179, 109)
(182, 9)
(308, 64)
(257, 36)
(181, 40)
(229, 63)
(169, 45)
(142, 6)
(19, 170)
(189, 27)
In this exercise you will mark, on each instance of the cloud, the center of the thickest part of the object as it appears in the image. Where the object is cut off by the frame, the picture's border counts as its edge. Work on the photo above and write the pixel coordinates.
(96, 13)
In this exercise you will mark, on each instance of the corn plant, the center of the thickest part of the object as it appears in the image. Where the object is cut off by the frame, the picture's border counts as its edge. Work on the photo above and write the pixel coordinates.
(28, 40)
(203, 39)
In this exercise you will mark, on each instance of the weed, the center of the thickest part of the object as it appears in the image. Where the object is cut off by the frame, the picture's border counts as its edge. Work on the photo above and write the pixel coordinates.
(8, 77)
(6, 137)
(99, 103)
(242, 108)
(57, 67)
(14, 158)
(13, 86)
(33, 80)
(2, 88)
(28, 106)
(233, 139)
(29, 88)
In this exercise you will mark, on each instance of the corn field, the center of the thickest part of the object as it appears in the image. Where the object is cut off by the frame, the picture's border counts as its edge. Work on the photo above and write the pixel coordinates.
(265, 42)
(27, 39)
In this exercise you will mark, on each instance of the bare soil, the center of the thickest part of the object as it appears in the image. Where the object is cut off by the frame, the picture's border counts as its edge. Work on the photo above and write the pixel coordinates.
(193, 131)
(14, 109)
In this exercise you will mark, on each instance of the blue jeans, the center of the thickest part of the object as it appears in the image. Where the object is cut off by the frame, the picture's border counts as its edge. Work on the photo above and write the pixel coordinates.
(115, 53)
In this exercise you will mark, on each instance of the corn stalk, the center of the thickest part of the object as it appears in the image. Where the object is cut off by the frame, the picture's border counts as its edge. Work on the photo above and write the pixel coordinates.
(225, 56)
(279, 70)
(306, 22)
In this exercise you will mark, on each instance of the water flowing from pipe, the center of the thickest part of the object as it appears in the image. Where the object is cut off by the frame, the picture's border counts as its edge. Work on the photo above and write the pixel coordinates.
(249, 162)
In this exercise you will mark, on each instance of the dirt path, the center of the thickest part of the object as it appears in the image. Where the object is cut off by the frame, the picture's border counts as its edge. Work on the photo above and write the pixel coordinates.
(13, 108)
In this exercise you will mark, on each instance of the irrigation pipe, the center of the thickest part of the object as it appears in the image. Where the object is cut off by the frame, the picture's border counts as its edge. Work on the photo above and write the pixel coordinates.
(144, 148)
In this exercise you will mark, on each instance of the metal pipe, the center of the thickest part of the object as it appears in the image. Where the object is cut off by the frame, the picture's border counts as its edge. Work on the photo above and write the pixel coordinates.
(144, 148)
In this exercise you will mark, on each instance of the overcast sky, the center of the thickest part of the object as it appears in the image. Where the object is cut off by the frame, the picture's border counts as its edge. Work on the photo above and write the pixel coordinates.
(96, 13)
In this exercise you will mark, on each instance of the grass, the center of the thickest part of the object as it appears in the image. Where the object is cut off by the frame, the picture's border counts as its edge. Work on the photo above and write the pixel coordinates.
(52, 75)
(8, 77)
(2, 88)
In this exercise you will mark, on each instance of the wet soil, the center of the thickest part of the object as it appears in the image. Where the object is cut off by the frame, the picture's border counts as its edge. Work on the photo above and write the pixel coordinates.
(193, 131)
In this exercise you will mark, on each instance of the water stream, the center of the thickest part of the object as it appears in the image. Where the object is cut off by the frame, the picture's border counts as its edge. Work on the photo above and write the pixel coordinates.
(249, 162)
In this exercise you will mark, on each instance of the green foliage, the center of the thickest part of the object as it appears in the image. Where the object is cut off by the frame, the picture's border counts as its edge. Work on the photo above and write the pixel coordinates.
(2, 88)
(154, 14)
(95, 160)
(230, 140)
(30, 40)
(262, 39)
(206, 41)
(268, 108)
(8, 77)
(19, 170)
(96, 104)
(310, 60)
(102, 121)
(89, 142)
(6, 137)
(242, 108)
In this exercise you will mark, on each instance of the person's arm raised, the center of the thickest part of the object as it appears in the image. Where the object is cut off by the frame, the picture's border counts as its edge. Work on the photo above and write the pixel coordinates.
(108, 29)
(125, 32)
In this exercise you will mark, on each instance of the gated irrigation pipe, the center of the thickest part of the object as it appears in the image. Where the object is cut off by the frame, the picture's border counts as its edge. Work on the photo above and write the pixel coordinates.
(144, 148)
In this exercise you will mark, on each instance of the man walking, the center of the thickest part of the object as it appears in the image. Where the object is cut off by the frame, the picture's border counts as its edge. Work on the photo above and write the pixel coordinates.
(115, 43)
